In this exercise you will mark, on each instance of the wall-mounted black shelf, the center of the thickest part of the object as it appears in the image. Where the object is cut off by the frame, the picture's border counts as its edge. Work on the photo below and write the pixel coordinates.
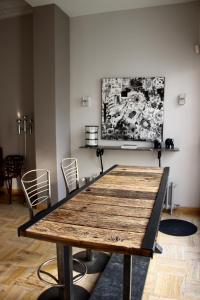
(100, 151)
(133, 149)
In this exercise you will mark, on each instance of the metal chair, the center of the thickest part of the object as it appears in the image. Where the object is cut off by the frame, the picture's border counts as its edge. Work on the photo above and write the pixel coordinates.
(71, 174)
(12, 168)
(37, 189)
(95, 261)
(1, 167)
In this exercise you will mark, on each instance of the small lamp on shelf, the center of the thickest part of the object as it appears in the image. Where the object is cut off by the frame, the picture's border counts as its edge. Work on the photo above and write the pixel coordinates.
(91, 135)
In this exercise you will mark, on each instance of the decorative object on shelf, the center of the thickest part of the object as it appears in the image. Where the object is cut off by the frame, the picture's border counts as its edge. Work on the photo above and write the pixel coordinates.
(169, 143)
(157, 144)
(91, 135)
(100, 151)
(24, 126)
(132, 108)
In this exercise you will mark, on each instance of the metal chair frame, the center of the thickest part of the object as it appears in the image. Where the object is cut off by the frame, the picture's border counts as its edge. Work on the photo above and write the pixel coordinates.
(70, 171)
(38, 191)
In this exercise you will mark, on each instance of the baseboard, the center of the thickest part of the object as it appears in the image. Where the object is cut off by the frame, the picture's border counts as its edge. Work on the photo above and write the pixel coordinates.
(188, 209)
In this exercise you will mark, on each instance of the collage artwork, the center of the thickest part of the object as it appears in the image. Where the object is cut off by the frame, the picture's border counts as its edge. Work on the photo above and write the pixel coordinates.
(132, 108)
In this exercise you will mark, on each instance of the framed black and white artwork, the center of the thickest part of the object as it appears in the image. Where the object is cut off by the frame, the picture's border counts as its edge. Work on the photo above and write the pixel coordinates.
(132, 108)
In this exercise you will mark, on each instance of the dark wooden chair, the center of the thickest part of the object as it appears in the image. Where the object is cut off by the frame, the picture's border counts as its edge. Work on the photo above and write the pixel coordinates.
(12, 168)
(1, 167)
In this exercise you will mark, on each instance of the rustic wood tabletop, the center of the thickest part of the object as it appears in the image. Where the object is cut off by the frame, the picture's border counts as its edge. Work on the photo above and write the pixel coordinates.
(112, 214)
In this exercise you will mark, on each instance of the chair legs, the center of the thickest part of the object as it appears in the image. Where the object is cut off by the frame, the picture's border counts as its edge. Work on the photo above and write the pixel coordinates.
(9, 188)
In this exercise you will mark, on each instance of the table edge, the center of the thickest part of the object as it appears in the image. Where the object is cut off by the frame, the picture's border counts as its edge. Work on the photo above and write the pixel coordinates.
(154, 221)
(148, 243)
(22, 229)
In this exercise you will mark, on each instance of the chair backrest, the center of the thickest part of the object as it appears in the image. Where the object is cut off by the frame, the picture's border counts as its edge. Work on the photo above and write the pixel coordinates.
(71, 175)
(37, 188)
(1, 167)
(12, 165)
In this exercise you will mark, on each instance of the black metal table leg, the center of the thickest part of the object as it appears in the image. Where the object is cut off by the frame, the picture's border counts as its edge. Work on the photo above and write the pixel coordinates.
(69, 291)
(127, 279)
(64, 262)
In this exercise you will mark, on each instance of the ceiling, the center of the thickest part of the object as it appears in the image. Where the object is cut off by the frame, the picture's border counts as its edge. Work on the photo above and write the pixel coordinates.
(75, 8)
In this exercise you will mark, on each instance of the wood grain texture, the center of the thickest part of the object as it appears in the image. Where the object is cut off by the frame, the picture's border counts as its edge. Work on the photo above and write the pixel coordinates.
(112, 201)
(174, 275)
(138, 169)
(137, 174)
(129, 186)
(83, 236)
(110, 215)
(96, 220)
(117, 192)
(97, 210)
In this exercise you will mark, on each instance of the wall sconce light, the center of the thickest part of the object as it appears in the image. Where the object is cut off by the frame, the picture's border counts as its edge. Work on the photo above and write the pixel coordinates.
(182, 99)
(197, 49)
(86, 101)
(24, 126)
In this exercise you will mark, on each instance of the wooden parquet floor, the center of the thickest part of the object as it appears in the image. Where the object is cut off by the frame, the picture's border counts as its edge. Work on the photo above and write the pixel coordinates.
(20, 257)
(174, 275)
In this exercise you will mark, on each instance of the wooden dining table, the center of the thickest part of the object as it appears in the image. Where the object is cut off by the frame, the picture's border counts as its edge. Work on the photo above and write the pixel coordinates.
(118, 212)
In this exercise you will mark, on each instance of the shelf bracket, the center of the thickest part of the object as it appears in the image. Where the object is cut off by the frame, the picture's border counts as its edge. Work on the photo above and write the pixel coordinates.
(99, 153)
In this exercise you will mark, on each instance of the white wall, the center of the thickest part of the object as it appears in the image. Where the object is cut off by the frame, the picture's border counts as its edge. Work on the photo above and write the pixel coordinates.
(143, 42)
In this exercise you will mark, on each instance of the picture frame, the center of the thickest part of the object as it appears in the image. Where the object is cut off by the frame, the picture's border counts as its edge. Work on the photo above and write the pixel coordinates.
(132, 108)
